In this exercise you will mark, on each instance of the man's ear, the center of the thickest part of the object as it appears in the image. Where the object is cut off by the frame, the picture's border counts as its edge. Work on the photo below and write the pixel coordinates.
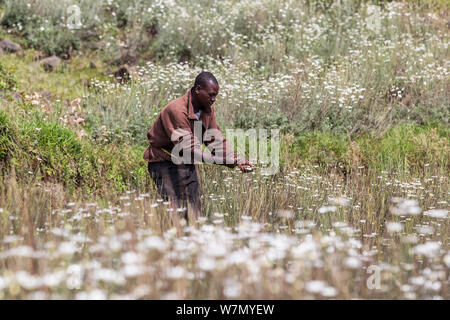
(197, 88)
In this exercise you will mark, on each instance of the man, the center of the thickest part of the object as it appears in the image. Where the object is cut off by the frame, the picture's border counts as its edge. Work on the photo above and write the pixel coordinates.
(175, 140)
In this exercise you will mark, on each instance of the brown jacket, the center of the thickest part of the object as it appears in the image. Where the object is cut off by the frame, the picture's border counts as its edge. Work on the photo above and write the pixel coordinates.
(179, 114)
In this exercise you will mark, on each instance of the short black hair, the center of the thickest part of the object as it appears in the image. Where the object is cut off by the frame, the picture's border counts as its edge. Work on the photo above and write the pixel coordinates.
(203, 78)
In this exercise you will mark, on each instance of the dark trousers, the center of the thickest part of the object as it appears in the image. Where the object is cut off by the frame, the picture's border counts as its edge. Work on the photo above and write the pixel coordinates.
(177, 183)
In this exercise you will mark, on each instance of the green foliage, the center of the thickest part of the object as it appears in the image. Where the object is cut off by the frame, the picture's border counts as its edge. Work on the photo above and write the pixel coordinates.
(16, 13)
(7, 134)
(312, 69)
(409, 146)
(51, 152)
(270, 120)
(403, 147)
(119, 115)
(124, 131)
(321, 148)
(54, 41)
(45, 24)
(65, 83)
(58, 147)
(7, 78)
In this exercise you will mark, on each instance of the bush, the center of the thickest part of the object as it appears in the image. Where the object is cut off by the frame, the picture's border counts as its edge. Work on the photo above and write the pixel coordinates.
(51, 152)
(269, 120)
(45, 23)
(7, 134)
(403, 147)
(409, 146)
(7, 79)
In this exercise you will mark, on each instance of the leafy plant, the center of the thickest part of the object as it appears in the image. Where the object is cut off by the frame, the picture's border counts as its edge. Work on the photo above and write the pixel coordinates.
(7, 78)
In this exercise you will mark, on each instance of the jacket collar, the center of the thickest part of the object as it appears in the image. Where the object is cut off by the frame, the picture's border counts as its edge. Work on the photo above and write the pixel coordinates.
(191, 115)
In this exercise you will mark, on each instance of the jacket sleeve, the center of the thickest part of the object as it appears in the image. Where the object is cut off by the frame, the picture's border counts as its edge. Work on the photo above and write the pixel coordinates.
(218, 144)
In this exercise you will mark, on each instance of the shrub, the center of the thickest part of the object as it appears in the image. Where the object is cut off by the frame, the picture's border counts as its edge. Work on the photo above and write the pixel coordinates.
(403, 147)
(45, 23)
(7, 134)
(7, 79)
(31, 144)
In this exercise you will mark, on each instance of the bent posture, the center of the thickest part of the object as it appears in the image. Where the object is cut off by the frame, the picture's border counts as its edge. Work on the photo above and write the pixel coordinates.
(175, 139)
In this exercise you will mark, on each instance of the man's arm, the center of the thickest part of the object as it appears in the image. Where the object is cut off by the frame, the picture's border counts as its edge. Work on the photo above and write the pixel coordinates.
(220, 147)
(177, 127)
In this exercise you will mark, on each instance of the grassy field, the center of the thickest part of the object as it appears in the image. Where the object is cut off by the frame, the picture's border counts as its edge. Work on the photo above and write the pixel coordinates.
(358, 209)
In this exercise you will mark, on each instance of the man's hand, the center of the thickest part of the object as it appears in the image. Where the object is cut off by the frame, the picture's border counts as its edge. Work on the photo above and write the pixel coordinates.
(246, 166)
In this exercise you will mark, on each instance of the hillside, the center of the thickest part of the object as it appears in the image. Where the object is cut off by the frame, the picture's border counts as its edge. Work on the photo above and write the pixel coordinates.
(359, 91)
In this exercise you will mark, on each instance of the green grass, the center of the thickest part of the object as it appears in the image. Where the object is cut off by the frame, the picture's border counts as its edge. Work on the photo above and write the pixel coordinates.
(67, 82)
(7, 136)
(47, 151)
(372, 127)
(7, 79)
(36, 149)
(403, 147)
(364, 118)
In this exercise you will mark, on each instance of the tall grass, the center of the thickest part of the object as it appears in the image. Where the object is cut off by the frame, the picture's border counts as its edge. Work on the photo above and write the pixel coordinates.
(36, 150)
(312, 235)
(363, 180)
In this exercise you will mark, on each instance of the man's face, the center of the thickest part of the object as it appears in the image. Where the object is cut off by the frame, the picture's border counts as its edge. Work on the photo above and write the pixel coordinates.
(207, 94)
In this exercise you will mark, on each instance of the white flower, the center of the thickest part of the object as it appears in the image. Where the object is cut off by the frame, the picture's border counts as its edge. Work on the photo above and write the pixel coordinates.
(239, 256)
(405, 207)
(305, 224)
(108, 275)
(429, 249)
(340, 201)
(53, 279)
(216, 249)
(177, 272)
(447, 260)
(417, 281)
(325, 209)
(437, 213)
(206, 263)
(329, 292)
(155, 242)
(410, 238)
(67, 247)
(407, 288)
(232, 288)
(96, 294)
(132, 257)
(4, 282)
(393, 227)
(20, 251)
(425, 230)
(132, 270)
(315, 286)
(353, 262)
(432, 285)
(27, 281)
(287, 214)
(307, 249)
